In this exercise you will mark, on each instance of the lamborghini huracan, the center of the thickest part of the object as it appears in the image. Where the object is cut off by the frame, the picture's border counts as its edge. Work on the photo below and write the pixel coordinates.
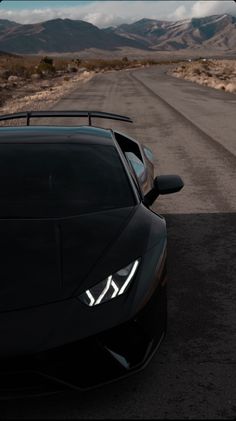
(82, 254)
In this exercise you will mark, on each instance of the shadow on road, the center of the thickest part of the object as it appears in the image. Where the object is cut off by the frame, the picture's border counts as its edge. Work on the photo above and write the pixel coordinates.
(202, 288)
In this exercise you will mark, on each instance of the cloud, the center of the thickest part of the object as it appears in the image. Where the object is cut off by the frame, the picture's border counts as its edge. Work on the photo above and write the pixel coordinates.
(207, 8)
(27, 16)
(179, 13)
(112, 13)
(100, 13)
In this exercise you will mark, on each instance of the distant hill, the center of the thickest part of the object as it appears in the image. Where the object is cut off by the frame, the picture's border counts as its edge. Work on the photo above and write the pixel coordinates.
(65, 35)
(59, 35)
(4, 54)
(216, 32)
(7, 24)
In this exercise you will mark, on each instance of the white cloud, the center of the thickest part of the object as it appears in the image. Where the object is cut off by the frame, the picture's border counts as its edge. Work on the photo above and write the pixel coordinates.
(107, 13)
(180, 12)
(31, 16)
(210, 7)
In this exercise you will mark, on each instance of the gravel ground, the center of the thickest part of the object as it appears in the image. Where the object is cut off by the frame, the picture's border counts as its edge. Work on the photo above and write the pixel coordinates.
(217, 74)
(43, 94)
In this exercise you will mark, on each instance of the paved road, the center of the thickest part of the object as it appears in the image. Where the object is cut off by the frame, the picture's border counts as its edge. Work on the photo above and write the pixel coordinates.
(191, 129)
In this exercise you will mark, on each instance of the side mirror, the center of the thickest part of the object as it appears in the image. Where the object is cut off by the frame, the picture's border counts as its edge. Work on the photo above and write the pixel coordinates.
(164, 184)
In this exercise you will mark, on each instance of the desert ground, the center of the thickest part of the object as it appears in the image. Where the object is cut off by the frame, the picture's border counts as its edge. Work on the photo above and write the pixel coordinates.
(217, 74)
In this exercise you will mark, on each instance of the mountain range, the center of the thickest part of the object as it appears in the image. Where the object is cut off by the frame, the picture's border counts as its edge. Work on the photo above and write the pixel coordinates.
(64, 35)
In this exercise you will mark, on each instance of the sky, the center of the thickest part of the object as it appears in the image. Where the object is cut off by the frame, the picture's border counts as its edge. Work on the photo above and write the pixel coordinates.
(111, 13)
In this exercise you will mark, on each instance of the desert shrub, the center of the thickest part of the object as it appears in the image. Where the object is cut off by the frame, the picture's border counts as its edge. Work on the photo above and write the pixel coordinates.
(18, 70)
(46, 66)
(4, 74)
(113, 64)
(47, 60)
(77, 61)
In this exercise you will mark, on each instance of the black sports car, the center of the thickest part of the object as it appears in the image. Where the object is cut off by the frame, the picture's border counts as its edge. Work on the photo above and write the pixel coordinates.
(82, 255)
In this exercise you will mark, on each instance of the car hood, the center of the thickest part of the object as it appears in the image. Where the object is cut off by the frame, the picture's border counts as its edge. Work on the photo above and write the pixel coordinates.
(43, 261)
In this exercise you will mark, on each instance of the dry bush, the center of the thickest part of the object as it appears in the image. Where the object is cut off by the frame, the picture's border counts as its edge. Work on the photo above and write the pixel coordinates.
(22, 67)
(25, 66)
(46, 66)
(114, 64)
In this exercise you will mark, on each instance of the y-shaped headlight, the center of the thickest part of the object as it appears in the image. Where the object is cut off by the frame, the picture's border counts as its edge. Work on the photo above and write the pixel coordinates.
(111, 287)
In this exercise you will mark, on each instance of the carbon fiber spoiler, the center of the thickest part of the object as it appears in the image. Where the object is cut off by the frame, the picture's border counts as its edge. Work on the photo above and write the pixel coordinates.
(40, 114)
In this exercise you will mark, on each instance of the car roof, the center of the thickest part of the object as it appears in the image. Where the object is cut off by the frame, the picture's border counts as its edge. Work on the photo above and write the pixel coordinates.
(56, 134)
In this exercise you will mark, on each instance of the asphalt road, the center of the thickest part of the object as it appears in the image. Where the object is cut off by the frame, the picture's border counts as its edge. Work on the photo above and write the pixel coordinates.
(191, 130)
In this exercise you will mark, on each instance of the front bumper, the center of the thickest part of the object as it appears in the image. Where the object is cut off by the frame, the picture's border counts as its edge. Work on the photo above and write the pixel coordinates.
(46, 349)
(89, 363)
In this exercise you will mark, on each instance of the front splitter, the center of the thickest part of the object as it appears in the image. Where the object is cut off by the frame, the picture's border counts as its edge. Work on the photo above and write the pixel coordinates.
(89, 363)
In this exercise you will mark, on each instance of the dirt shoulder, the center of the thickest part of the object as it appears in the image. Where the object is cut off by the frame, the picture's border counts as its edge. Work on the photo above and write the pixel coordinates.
(217, 74)
(41, 94)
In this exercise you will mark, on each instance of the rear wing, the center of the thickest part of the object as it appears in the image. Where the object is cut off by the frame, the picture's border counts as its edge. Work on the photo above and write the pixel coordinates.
(40, 114)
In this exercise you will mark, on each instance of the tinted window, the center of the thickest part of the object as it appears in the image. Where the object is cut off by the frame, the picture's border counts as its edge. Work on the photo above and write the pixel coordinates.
(137, 165)
(47, 180)
(149, 154)
(128, 145)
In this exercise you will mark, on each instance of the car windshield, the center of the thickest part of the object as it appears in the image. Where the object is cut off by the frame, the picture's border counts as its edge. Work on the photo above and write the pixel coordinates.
(56, 180)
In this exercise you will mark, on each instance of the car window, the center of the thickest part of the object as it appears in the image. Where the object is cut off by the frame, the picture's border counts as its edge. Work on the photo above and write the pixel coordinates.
(137, 165)
(128, 145)
(149, 154)
(54, 180)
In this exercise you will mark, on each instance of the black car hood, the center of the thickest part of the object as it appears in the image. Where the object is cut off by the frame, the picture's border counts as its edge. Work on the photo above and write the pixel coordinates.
(42, 261)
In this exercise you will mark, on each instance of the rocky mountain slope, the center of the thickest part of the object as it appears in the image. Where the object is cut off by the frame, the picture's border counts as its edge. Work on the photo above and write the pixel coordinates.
(213, 31)
(65, 35)
(58, 35)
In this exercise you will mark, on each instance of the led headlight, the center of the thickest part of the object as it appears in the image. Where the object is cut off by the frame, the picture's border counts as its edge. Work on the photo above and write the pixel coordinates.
(110, 287)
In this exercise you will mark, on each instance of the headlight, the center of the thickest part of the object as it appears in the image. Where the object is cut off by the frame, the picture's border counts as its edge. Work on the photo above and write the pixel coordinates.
(111, 287)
